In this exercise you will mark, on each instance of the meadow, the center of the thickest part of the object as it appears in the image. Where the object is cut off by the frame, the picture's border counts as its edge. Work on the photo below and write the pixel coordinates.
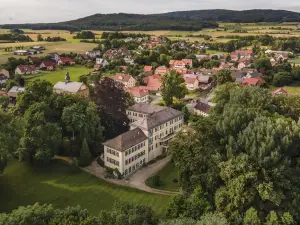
(53, 77)
(61, 186)
(167, 177)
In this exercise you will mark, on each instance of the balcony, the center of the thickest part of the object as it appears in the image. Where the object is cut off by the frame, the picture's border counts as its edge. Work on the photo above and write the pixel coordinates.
(168, 137)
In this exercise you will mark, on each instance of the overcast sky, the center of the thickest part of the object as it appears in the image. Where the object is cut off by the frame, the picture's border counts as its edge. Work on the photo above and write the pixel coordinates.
(32, 11)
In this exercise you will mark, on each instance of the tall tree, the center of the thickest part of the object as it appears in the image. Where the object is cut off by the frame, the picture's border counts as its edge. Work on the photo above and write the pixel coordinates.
(85, 157)
(173, 86)
(41, 139)
(222, 77)
(112, 101)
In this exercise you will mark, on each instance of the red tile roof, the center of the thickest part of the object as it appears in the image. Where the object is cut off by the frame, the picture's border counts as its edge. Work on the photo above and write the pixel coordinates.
(257, 81)
(67, 60)
(26, 68)
(48, 63)
(190, 80)
(279, 91)
(153, 82)
(139, 92)
(147, 68)
(122, 77)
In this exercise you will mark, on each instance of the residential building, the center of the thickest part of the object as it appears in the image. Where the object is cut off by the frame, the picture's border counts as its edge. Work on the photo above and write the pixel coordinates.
(21, 52)
(153, 82)
(162, 70)
(13, 92)
(244, 64)
(142, 110)
(54, 56)
(47, 65)
(127, 152)
(191, 82)
(139, 94)
(279, 91)
(71, 88)
(125, 79)
(93, 54)
(181, 63)
(4, 75)
(148, 70)
(160, 128)
(101, 61)
(25, 70)
(66, 61)
(241, 54)
(202, 109)
(253, 81)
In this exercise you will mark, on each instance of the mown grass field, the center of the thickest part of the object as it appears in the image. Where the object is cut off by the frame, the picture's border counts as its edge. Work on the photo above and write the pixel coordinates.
(59, 185)
(53, 77)
(167, 176)
(59, 47)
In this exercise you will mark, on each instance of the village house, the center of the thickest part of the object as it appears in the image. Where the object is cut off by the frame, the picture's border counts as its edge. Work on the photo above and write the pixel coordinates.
(253, 81)
(204, 81)
(93, 54)
(47, 65)
(54, 56)
(34, 60)
(153, 82)
(125, 79)
(148, 70)
(140, 94)
(13, 92)
(241, 54)
(279, 91)
(25, 70)
(244, 64)
(21, 52)
(202, 109)
(4, 75)
(71, 88)
(191, 82)
(101, 61)
(162, 70)
(175, 64)
(66, 61)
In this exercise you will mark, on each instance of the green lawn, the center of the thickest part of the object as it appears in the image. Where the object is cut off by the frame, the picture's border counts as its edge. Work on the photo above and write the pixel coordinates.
(53, 77)
(59, 185)
(167, 175)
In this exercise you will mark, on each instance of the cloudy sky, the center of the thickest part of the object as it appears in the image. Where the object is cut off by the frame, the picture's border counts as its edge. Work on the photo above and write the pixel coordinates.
(31, 11)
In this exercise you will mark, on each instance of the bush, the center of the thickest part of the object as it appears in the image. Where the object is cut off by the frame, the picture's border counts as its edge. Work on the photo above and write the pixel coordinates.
(85, 158)
(175, 180)
(75, 164)
(100, 162)
(156, 182)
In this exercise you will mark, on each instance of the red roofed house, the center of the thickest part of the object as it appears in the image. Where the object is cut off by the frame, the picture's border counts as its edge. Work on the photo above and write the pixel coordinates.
(25, 69)
(243, 64)
(162, 70)
(125, 79)
(241, 54)
(47, 65)
(140, 94)
(181, 63)
(153, 82)
(191, 83)
(279, 91)
(182, 70)
(66, 61)
(253, 81)
(148, 70)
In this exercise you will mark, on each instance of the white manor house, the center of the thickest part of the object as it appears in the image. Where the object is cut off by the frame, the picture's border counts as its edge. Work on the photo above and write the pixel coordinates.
(151, 129)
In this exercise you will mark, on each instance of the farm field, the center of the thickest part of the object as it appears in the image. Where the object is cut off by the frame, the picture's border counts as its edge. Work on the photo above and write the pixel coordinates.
(167, 176)
(59, 47)
(60, 186)
(53, 77)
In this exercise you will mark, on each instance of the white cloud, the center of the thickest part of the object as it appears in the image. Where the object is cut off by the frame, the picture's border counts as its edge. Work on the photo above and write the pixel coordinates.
(32, 11)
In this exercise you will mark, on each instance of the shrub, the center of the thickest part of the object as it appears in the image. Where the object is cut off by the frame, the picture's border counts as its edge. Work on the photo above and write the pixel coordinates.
(85, 158)
(156, 182)
(175, 180)
(75, 164)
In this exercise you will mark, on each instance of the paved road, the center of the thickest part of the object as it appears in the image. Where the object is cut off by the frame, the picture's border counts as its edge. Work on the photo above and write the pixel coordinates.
(136, 180)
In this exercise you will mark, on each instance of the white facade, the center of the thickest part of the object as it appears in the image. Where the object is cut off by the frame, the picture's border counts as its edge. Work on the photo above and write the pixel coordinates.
(160, 136)
(200, 113)
(127, 161)
(144, 99)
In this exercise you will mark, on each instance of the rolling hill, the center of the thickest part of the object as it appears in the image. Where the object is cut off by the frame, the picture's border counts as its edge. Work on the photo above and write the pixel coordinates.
(181, 20)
